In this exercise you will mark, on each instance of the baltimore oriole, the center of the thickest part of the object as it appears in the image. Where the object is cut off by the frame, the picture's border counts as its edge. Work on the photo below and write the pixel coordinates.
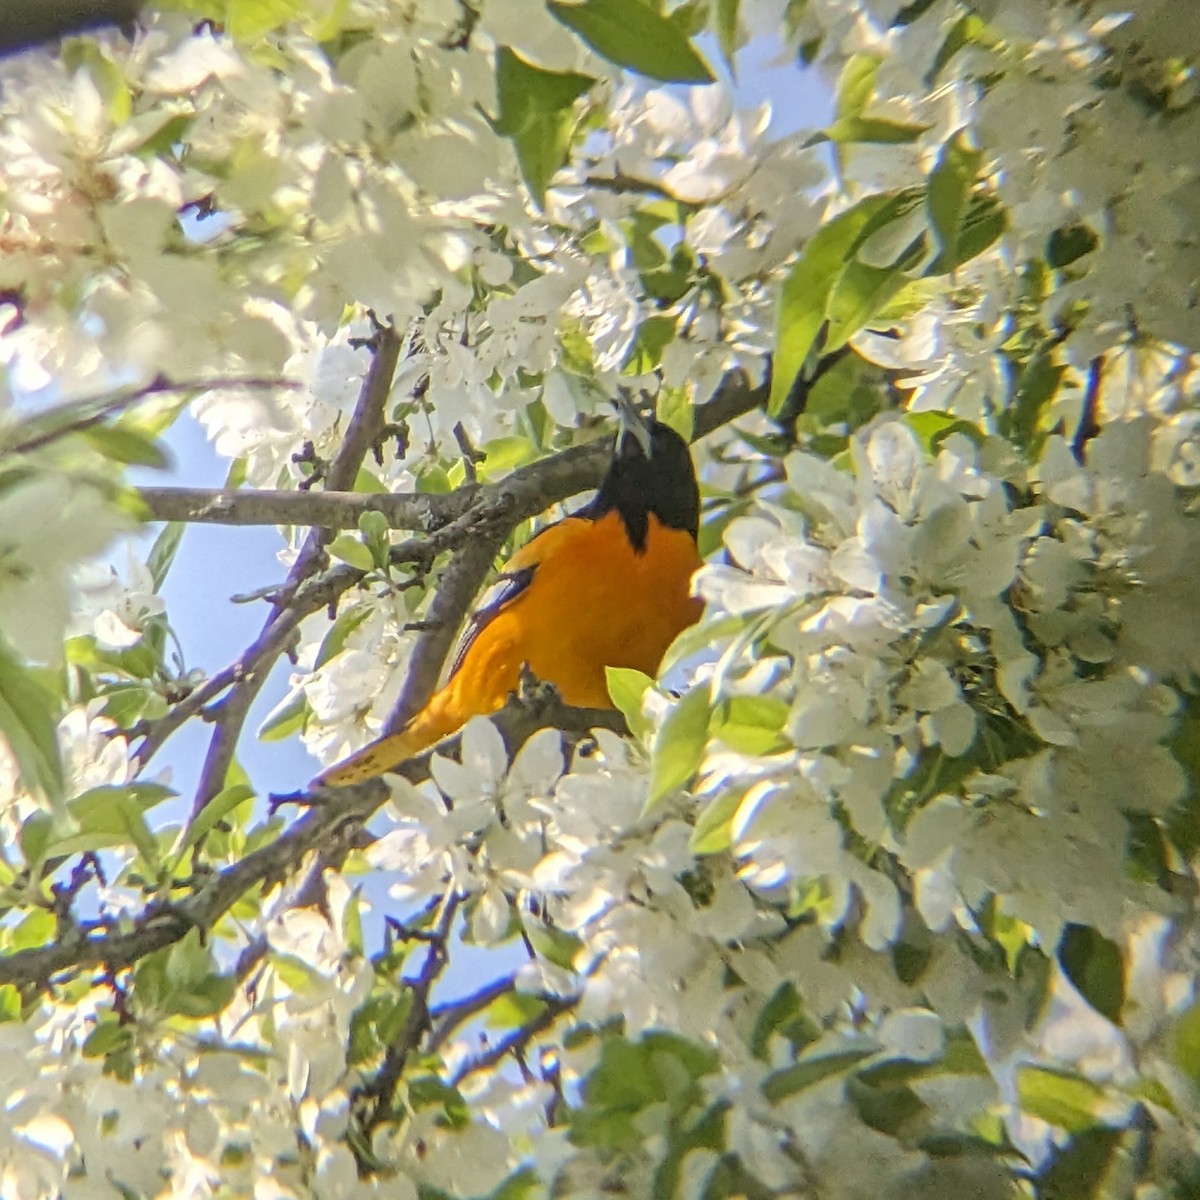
(607, 586)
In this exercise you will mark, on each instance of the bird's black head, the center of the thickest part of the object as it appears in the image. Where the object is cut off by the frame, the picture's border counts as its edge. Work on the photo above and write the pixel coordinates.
(663, 484)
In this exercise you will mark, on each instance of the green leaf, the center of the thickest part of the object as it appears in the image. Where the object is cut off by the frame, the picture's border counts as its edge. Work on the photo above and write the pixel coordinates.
(1069, 243)
(886, 1109)
(934, 426)
(505, 454)
(34, 929)
(122, 444)
(635, 36)
(162, 553)
(1084, 1169)
(679, 745)
(335, 640)
(429, 1091)
(645, 352)
(1061, 1099)
(700, 637)
(250, 20)
(855, 85)
(1036, 388)
(950, 184)
(557, 946)
(27, 723)
(1185, 1040)
(98, 808)
(982, 224)
(849, 393)
(10, 1003)
(1095, 966)
(808, 286)
(35, 837)
(859, 294)
(373, 526)
(855, 89)
(779, 1085)
(538, 115)
(783, 1014)
(626, 687)
(215, 811)
(289, 716)
(874, 130)
(107, 1036)
(752, 724)
(968, 29)
(712, 834)
(725, 25)
(352, 552)
(376, 536)
(514, 1009)
(674, 408)
(112, 815)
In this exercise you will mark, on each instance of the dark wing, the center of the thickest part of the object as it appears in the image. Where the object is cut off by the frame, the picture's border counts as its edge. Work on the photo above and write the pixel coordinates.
(501, 594)
(514, 581)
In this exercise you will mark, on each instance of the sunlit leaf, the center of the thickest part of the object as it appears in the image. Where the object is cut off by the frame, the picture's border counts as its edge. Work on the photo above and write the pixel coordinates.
(352, 552)
(162, 553)
(1060, 1098)
(537, 112)
(1095, 965)
(626, 688)
(28, 724)
(635, 36)
(950, 185)
(679, 744)
(810, 1071)
(805, 291)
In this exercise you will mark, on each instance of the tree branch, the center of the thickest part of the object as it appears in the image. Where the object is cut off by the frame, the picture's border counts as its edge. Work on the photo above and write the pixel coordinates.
(326, 510)
(529, 490)
(279, 630)
(518, 1040)
(457, 588)
(473, 515)
(25, 25)
(462, 579)
(335, 816)
(79, 415)
(446, 1018)
(381, 1091)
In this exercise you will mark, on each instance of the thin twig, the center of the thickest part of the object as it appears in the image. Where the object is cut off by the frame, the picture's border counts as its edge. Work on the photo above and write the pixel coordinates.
(446, 1018)
(517, 1041)
(326, 510)
(381, 1090)
(470, 456)
(231, 716)
(82, 414)
(333, 815)
(1089, 422)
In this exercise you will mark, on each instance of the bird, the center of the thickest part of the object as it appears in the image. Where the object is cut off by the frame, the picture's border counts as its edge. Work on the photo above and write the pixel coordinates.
(607, 586)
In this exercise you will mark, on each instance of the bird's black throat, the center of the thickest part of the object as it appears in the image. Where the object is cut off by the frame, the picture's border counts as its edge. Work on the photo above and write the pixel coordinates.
(663, 484)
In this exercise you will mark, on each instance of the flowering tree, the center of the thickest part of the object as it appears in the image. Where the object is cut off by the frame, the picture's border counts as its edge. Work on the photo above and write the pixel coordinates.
(891, 891)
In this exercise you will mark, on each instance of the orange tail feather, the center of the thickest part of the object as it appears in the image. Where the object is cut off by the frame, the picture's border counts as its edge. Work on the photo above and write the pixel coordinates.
(438, 719)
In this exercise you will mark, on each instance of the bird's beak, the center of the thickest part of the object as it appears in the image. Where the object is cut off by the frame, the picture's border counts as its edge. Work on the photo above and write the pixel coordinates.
(630, 421)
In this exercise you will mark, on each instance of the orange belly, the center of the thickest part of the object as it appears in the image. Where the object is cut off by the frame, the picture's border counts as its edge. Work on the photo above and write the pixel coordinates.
(593, 602)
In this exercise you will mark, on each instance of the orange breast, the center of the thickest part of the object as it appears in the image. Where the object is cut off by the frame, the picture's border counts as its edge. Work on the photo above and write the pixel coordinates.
(592, 602)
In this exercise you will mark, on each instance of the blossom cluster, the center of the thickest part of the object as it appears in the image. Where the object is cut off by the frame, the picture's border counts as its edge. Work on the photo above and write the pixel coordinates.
(916, 902)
